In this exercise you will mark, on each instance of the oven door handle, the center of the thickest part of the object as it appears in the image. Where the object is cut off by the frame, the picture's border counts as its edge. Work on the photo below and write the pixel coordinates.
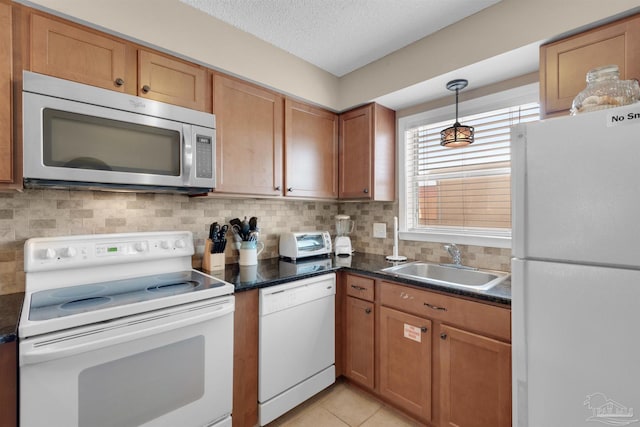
(50, 348)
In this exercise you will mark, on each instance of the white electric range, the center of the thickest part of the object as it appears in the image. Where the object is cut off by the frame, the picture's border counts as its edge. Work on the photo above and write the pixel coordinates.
(118, 329)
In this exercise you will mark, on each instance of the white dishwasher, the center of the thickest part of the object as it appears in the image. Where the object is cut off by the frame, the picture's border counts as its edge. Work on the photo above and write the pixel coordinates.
(297, 343)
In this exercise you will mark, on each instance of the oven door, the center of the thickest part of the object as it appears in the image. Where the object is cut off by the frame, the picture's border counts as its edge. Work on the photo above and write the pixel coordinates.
(163, 368)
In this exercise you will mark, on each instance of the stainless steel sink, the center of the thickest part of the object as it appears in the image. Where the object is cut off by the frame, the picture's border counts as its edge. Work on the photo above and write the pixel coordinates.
(438, 274)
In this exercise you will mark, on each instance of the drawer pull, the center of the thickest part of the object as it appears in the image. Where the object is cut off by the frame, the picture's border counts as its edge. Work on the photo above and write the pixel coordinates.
(424, 329)
(358, 288)
(405, 295)
(146, 89)
(443, 336)
(367, 310)
(435, 307)
(119, 82)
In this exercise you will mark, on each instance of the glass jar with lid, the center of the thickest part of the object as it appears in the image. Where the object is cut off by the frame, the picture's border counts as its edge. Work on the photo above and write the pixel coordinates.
(605, 90)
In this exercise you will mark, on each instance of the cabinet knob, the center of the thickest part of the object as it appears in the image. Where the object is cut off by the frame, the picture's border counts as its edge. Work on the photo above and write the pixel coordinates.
(119, 82)
(290, 189)
(146, 89)
(443, 336)
(277, 188)
(365, 191)
(367, 310)
(424, 329)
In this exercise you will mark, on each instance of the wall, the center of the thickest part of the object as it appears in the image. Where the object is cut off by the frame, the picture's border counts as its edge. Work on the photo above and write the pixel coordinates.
(503, 27)
(43, 213)
(365, 214)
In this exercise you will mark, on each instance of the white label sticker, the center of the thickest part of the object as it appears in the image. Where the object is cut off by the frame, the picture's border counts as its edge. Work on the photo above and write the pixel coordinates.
(624, 116)
(412, 332)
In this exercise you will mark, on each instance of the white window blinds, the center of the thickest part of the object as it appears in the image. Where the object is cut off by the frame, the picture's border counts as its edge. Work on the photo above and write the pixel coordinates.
(463, 190)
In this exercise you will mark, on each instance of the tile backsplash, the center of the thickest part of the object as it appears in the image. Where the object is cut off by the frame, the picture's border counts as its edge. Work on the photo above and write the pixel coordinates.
(366, 213)
(45, 213)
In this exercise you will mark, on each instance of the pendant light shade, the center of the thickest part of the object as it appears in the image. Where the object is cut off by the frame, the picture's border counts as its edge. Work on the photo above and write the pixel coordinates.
(457, 135)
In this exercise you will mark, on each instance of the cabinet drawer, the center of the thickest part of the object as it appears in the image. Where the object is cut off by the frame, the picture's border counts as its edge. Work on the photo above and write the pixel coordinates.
(360, 287)
(484, 318)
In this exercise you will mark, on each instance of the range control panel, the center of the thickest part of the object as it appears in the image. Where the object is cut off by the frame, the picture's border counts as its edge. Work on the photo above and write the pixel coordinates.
(53, 253)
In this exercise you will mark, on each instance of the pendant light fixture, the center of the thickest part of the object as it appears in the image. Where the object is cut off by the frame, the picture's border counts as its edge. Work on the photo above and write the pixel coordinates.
(457, 135)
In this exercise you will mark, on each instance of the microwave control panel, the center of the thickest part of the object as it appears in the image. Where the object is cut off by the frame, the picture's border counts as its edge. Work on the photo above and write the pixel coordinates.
(204, 156)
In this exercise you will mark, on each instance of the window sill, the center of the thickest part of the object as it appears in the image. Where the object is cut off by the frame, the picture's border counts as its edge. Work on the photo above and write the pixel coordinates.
(462, 239)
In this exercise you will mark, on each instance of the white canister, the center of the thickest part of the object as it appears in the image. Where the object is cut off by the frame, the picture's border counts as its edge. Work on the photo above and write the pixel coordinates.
(249, 251)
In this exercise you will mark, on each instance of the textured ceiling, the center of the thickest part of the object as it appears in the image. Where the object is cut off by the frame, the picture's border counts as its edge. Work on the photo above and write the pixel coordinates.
(340, 36)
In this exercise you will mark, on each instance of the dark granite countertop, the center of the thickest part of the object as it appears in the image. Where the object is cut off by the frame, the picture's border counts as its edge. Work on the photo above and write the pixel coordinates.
(10, 307)
(274, 271)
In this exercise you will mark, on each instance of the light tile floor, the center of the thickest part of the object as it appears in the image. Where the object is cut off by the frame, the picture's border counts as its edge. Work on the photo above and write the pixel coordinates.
(343, 405)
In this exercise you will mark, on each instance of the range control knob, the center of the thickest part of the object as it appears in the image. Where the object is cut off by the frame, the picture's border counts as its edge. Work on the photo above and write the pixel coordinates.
(49, 253)
(180, 244)
(139, 246)
(164, 244)
(68, 252)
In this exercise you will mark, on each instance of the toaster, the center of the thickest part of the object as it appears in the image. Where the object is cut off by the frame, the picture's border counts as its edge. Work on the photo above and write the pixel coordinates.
(304, 244)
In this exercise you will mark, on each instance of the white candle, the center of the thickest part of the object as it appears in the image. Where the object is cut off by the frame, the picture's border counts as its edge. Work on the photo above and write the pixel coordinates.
(395, 236)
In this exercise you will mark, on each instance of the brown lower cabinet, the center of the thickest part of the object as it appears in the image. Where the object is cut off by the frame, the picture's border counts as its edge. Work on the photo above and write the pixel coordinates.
(8, 385)
(443, 360)
(405, 361)
(245, 360)
(359, 334)
(475, 380)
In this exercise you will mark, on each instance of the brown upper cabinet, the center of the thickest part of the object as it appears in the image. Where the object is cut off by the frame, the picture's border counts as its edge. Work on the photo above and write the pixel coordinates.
(74, 53)
(564, 63)
(249, 125)
(77, 53)
(170, 80)
(367, 153)
(310, 151)
(6, 138)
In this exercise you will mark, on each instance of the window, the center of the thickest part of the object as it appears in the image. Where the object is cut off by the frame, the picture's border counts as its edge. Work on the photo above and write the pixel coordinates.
(461, 195)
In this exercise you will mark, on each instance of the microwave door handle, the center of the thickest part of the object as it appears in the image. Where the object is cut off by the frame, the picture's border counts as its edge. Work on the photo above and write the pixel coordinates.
(67, 347)
(188, 144)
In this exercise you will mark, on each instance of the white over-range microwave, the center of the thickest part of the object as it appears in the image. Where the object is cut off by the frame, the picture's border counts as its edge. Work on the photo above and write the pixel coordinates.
(77, 135)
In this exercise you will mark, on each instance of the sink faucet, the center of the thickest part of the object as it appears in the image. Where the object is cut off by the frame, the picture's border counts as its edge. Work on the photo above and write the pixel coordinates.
(454, 251)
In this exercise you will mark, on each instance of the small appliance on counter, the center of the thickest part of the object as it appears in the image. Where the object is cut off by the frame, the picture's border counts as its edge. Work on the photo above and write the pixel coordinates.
(303, 244)
(342, 244)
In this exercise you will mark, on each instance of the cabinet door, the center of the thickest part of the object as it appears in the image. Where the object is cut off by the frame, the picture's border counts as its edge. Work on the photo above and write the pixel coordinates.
(172, 81)
(6, 140)
(360, 323)
(475, 377)
(311, 151)
(356, 147)
(72, 53)
(564, 64)
(245, 359)
(249, 123)
(8, 384)
(405, 361)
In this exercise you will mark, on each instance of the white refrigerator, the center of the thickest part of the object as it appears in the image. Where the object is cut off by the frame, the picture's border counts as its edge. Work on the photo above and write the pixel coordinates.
(576, 270)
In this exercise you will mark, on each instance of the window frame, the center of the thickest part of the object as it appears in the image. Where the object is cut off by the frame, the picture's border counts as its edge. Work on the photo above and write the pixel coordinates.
(502, 239)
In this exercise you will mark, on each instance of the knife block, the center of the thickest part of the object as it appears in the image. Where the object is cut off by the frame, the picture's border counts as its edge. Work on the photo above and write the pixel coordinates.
(212, 262)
